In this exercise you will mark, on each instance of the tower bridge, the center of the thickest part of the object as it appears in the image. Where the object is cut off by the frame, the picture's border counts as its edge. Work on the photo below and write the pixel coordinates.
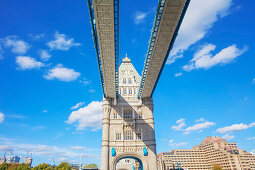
(128, 123)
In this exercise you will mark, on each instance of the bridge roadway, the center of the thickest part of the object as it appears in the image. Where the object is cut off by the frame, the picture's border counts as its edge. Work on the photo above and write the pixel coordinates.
(104, 16)
(167, 22)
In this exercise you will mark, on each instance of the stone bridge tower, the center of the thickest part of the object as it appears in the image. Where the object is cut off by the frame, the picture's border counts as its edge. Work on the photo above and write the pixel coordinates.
(128, 124)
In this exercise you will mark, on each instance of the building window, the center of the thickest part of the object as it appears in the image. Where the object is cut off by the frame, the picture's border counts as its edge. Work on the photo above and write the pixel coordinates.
(115, 115)
(118, 136)
(129, 81)
(138, 136)
(140, 115)
(128, 135)
(125, 91)
(134, 91)
(124, 80)
(128, 114)
(130, 91)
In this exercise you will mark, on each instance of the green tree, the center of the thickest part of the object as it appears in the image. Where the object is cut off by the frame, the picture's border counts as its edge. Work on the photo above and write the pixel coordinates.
(42, 166)
(90, 166)
(217, 167)
(17, 166)
(63, 166)
(4, 166)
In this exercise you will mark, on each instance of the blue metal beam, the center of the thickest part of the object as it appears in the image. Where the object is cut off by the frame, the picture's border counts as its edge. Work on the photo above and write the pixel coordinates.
(116, 41)
(154, 33)
(156, 24)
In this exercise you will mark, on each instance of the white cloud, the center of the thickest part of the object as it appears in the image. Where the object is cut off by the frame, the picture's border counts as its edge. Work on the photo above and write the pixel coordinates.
(17, 46)
(44, 54)
(92, 90)
(173, 144)
(177, 74)
(204, 59)
(28, 63)
(1, 117)
(78, 148)
(251, 138)
(228, 137)
(201, 120)
(36, 37)
(199, 19)
(45, 111)
(61, 73)
(88, 116)
(139, 17)
(62, 43)
(78, 105)
(5, 148)
(15, 116)
(253, 80)
(197, 127)
(235, 127)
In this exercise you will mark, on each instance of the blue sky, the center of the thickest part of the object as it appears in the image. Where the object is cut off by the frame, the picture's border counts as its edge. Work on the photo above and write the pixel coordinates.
(50, 90)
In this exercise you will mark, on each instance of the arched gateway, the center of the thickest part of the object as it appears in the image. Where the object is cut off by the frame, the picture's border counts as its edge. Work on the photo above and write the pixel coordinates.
(128, 124)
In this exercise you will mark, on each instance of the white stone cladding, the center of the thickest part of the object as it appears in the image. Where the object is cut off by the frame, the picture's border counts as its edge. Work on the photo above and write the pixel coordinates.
(128, 123)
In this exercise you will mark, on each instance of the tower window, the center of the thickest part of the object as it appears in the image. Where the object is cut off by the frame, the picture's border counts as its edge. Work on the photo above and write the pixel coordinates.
(124, 81)
(118, 136)
(128, 135)
(130, 91)
(134, 91)
(124, 91)
(115, 116)
(138, 136)
(140, 115)
(129, 81)
(128, 114)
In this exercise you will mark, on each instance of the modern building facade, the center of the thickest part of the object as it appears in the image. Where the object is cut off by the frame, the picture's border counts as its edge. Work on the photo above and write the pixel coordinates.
(212, 151)
(128, 124)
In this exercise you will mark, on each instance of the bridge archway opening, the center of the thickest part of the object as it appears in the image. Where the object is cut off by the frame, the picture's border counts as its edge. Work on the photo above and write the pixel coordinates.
(128, 163)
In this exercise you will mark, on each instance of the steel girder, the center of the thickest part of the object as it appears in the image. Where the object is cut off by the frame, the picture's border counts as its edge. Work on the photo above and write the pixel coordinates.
(169, 16)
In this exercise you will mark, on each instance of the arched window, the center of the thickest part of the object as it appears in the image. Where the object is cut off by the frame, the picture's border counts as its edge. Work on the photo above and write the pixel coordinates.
(129, 80)
(124, 80)
(129, 91)
(128, 114)
(128, 135)
(124, 91)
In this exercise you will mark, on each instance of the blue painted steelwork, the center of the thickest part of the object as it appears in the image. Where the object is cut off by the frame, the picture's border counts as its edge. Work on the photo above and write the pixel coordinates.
(113, 152)
(145, 151)
(94, 32)
(154, 33)
(155, 28)
(172, 42)
(116, 43)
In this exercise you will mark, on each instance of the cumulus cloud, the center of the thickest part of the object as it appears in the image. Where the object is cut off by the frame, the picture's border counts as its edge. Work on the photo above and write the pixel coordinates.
(197, 23)
(5, 148)
(89, 116)
(28, 63)
(78, 148)
(201, 120)
(139, 17)
(251, 138)
(173, 144)
(235, 127)
(17, 46)
(36, 36)
(181, 123)
(228, 137)
(78, 105)
(1, 117)
(61, 42)
(204, 59)
(177, 74)
(62, 73)
(44, 54)
(197, 127)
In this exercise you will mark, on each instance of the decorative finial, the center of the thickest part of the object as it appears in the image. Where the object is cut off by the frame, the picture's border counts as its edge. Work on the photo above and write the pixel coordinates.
(126, 59)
